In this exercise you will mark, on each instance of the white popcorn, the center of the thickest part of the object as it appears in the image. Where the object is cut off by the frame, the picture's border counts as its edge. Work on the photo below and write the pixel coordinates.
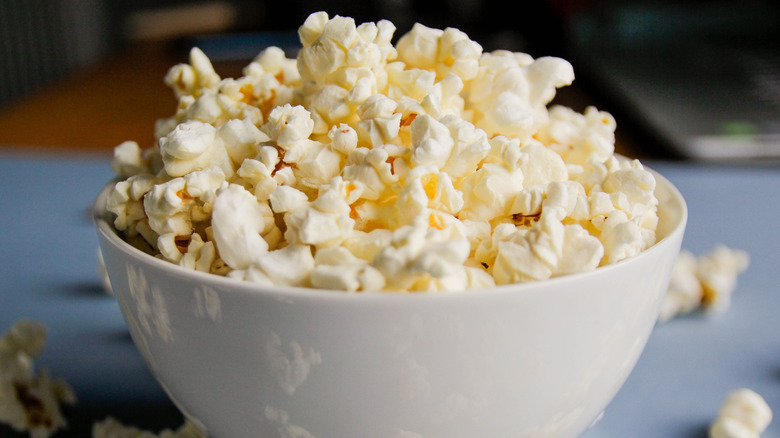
(343, 138)
(684, 293)
(414, 83)
(378, 123)
(705, 282)
(193, 146)
(336, 161)
(29, 401)
(323, 223)
(718, 272)
(447, 51)
(470, 147)
(228, 101)
(112, 428)
(336, 51)
(489, 192)
(744, 414)
(272, 79)
(289, 266)
(444, 98)
(197, 254)
(420, 258)
(579, 137)
(511, 96)
(176, 206)
(432, 142)
(239, 222)
(370, 170)
(128, 160)
(126, 201)
(289, 126)
(192, 78)
(241, 139)
(339, 269)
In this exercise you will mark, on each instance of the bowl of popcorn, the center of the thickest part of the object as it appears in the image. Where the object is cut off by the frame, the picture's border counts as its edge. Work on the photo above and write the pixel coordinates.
(378, 239)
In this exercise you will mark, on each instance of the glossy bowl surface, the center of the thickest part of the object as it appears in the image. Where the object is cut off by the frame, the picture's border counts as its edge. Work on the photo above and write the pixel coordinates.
(539, 359)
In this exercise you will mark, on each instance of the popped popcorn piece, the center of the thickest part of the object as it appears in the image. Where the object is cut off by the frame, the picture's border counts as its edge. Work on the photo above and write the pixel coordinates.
(744, 414)
(128, 160)
(338, 269)
(126, 202)
(510, 92)
(447, 51)
(241, 139)
(192, 146)
(336, 51)
(322, 223)
(179, 207)
(378, 123)
(238, 223)
(29, 401)
(703, 283)
(547, 249)
(113, 428)
(718, 275)
(331, 162)
(193, 78)
(579, 137)
(289, 266)
(420, 258)
(684, 293)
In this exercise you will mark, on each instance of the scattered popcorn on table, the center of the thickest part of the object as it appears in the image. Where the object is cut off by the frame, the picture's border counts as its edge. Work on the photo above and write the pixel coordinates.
(111, 428)
(29, 402)
(705, 282)
(363, 166)
(744, 414)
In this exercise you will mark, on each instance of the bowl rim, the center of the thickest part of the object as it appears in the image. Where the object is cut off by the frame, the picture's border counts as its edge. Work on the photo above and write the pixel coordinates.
(106, 228)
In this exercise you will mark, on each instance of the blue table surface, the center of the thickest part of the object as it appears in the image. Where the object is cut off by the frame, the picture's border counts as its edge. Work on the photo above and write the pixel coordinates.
(48, 272)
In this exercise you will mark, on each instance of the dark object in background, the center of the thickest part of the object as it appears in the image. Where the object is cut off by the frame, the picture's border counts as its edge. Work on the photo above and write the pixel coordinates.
(702, 78)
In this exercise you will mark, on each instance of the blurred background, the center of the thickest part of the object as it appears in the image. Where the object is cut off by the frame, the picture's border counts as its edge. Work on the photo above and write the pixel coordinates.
(694, 79)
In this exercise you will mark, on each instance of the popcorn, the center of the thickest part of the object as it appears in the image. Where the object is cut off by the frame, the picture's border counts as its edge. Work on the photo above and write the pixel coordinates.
(239, 222)
(192, 146)
(336, 51)
(510, 92)
(448, 51)
(744, 414)
(420, 258)
(289, 266)
(29, 402)
(112, 428)
(337, 269)
(323, 223)
(241, 139)
(578, 137)
(364, 166)
(378, 123)
(128, 160)
(705, 282)
(191, 79)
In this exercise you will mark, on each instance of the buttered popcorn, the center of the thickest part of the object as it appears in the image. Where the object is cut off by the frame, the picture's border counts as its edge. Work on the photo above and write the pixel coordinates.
(428, 165)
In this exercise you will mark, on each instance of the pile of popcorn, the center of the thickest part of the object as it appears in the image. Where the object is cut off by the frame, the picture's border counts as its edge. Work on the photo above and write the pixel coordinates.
(364, 165)
(112, 428)
(29, 401)
(703, 283)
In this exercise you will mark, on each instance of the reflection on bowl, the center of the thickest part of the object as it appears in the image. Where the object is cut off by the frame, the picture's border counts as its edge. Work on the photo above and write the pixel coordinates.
(537, 359)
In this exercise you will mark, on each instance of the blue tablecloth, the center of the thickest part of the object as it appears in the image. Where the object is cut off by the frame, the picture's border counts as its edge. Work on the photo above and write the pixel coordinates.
(48, 272)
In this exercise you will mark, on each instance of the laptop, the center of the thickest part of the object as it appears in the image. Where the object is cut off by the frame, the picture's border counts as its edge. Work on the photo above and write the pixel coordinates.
(703, 77)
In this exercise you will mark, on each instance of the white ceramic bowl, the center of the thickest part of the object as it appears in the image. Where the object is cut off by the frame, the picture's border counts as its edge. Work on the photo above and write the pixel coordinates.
(532, 360)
